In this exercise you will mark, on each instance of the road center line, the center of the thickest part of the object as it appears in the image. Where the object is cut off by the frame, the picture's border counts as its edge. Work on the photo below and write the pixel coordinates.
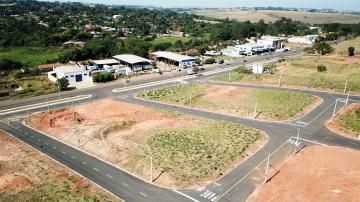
(142, 194)
(125, 184)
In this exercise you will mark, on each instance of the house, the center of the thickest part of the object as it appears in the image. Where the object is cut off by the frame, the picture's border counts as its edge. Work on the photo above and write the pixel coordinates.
(73, 73)
(181, 61)
(47, 67)
(136, 63)
(101, 64)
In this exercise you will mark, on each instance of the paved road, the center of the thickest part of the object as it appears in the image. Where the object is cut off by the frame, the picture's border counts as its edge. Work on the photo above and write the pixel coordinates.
(234, 186)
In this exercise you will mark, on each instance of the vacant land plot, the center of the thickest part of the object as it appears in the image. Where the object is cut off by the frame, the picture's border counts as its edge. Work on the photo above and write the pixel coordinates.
(342, 47)
(347, 121)
(272, 16)
(271, 104)
(32, 57)
(187, 151)
(315, 174)
(26, 175)
(302, 72)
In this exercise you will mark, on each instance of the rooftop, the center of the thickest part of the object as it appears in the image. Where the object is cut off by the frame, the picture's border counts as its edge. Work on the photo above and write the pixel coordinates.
(69, 68)
(172, 56)
(131, 59)
(105, 62)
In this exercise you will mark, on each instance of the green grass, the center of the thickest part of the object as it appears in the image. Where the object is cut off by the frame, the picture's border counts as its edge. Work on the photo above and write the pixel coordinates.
(34, 86)
(171, 39)
(350, 121)
(193, 155)
(273, 104)
(32, 57)
(302, 72)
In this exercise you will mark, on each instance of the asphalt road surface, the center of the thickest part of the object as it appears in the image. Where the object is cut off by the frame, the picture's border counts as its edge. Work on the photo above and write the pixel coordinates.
(233, 186)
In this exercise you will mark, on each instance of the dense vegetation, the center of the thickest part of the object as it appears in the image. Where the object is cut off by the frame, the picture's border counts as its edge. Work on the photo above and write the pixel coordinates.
(132, 30)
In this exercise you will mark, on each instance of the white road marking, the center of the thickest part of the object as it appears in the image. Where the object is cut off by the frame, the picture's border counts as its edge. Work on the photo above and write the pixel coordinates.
(46, 144)
(217, 184)
(142, 194)
(200, 189)
(38, 140)
(26, 133)
(96, 169)
(63, 152)
(309, 141)
(43, 104)
(32, 136)
(54, 147)
(83, 162)
(109, 176)
(187, 196)
(125, 184)
(73, 157)
(353, 143)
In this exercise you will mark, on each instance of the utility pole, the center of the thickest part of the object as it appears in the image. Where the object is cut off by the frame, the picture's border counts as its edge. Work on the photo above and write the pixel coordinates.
(347, 98)
(267, 168)
(279, 84)
(229, 76)
(346, 84)
(73, 108)
(151, 168)
(47, 102)
(255, 110)
(298, 135)
(190, 99)
(334, 109)
(27, 117)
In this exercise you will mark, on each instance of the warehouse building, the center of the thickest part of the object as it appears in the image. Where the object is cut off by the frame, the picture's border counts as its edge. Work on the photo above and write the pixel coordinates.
(136, 63)
(180, 61)
(100, 64)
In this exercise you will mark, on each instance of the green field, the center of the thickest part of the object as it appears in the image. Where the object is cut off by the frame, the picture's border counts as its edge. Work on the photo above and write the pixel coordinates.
(350, 121)
(32, 57)
(302, 72)
(193, 155)
(271, 104)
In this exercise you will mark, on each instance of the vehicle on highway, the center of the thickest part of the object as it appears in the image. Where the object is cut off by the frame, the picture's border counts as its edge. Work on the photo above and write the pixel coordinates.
(220, 62)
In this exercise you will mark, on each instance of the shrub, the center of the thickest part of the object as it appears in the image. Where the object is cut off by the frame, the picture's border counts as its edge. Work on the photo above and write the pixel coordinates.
(321, 68)
(103, 77)
(243, 70)
(198, 61)
(6, 64)
(210, 61)
(351, 51)
(62, 83)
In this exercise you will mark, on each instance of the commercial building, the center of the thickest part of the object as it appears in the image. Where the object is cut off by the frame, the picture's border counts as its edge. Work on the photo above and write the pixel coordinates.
(308, 39)
(136, 63)
(181, 61)
(73, 73)
(100, 64)
(272, 43)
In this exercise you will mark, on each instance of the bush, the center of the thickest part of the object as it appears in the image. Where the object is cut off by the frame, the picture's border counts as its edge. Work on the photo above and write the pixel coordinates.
(198, 61)
(210, 61)
(243, 70)
(103, 77)
(62, 83)
(6, 64)
(321, 68)
(351, 51)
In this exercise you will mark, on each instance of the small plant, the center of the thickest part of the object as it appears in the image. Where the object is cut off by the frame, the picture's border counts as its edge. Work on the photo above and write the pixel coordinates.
(210, 61)
(62, 83)
(103, 77)
(321, 68)
(351, 51)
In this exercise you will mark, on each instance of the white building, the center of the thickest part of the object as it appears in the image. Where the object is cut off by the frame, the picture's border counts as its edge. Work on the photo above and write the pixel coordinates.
(181, 61)
(308, 39)
(73, 73)
(136, 63)
(257, 69)
(245, 49)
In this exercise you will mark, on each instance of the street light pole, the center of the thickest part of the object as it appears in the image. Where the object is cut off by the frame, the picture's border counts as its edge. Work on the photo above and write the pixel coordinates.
(267, 168)
(279, 85)
(255, 110)
(346, 83)
(347, 98)
(47, 102)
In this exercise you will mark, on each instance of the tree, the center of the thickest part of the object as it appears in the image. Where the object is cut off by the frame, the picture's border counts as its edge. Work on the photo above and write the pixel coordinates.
(321, 68)
(321, 47)
(62, 83)
(351, 51)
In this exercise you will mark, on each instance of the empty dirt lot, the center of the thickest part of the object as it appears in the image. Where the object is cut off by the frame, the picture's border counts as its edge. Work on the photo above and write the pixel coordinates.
(187, 151)
(27, 175)
(315, 174)
(272, 16)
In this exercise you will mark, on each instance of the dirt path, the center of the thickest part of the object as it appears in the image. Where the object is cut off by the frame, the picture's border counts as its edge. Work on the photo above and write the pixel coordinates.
(315, 174)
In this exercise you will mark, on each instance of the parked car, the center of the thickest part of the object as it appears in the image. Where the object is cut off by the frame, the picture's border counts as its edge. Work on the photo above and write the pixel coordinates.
(220, 62)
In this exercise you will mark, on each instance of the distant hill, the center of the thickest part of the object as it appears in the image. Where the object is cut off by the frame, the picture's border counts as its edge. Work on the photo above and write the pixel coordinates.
(274, 15)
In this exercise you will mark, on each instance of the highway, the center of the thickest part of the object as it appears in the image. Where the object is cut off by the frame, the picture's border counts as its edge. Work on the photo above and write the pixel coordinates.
(233, 186)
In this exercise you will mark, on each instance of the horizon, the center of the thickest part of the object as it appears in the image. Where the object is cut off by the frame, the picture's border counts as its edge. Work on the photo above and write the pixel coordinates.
(350, 5)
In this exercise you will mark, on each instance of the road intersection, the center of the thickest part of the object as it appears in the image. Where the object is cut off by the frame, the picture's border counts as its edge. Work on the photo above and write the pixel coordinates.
(235, 185)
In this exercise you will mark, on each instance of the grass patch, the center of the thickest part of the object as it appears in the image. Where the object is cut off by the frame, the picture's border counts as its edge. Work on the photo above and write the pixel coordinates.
(193, 155)
(31, 56)
(351, 120)
(342, 47)
(272, 104)
(302, 72)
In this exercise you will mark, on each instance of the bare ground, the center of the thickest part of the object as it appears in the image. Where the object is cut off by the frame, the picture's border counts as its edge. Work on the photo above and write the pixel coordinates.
(120, 130)
(27, 175)
(315, 174)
